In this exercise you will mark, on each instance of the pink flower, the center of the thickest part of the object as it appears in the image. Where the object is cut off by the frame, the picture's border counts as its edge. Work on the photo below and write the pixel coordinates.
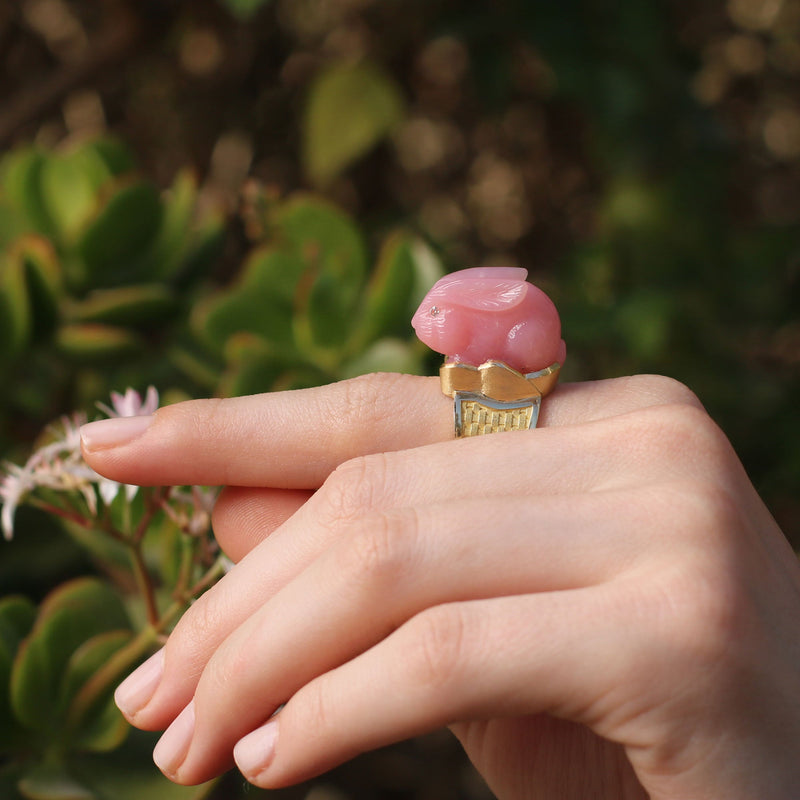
(131, 404)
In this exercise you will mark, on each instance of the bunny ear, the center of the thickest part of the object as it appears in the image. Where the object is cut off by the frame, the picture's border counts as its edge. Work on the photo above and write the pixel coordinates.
(478, 293)
(502, 273)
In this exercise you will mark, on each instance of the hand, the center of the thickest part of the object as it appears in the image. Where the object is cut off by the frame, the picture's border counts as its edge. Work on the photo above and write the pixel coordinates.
(602, 606)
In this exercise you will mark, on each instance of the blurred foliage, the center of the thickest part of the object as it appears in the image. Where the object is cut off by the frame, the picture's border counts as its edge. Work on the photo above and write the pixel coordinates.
(641, 159)
(309, 307)
(92, 258)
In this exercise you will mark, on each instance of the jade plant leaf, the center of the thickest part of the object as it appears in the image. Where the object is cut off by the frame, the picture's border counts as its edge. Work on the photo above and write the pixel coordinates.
(256, 365)
(21, 183)
(68, 617)
(120, 232)
(52, 782)
(124, 305)
(93, 341)
(350, 108)
(261, 302)
(169, 247)
(387, 355)
(115, 155)
(15, 313)
(98, 726)
(70, 182)
(335, 262)
(17, 615)
(129, 773)
(388, 294)
(43, 278)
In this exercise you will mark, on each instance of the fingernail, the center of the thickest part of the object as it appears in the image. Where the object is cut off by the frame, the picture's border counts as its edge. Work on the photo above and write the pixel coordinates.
(135, 691)
(113, 432)
(172, 747)
(254, 753)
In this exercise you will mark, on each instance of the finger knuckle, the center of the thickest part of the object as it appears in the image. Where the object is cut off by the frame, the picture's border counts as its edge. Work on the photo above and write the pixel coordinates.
(365, 397)
(680, 435)
(354, 488)
(662, 390)
(439, 646)
(708, 615)
(223, 673)
(313, 707)
(379, 551)
(197, 630)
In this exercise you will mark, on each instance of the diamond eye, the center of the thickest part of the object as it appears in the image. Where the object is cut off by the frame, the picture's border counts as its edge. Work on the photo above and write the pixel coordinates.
(434, 312)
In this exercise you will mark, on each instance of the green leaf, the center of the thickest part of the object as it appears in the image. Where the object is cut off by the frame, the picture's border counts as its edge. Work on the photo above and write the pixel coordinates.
(389, 292)
(22, 175)
(255, 365)
(116, 156)
(325, 236)
(205, 247)
(118, 235)
(70, 183)
(102, 727)
(44, 281)
(93, 341)
(173, 239)
(126, 305)
(350, 108)
(52, 782)
(262, 301)
(335, 262)
(15, 312)
(12, 223)
(17, 615)
(129, 774)
(67, 618)
(387, 355)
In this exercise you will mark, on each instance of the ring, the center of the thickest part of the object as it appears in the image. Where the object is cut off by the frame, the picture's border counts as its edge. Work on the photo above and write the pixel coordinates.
(493, 397)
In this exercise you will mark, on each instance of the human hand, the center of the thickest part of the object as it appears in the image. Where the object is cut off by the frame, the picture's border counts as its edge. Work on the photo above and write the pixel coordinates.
(602, 606)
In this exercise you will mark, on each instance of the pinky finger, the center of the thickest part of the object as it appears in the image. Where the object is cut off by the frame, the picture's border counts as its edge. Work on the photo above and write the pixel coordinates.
(480, 659)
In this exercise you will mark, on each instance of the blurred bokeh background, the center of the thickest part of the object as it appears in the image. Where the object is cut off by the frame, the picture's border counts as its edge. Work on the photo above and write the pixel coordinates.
(203, 195)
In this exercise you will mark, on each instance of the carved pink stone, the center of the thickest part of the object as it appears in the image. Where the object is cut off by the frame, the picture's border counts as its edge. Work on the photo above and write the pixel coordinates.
(487, 313)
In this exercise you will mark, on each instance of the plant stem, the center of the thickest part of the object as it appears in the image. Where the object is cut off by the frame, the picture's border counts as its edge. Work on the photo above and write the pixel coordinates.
(144, 583)
(155, 503)
(188, 551)
(75, 517)
(98, 685)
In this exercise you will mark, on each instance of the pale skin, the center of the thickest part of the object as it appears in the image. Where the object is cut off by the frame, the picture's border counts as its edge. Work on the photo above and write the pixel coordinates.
(602, 607)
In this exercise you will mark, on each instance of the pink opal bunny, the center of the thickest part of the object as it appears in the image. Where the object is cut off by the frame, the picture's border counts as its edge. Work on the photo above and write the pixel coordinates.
(487, 313)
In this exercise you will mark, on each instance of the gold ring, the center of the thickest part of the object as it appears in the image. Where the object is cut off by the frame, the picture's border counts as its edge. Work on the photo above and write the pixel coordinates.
(493, 397)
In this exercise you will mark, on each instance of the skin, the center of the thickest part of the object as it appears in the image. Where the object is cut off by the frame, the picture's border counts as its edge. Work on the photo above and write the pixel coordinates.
(601, 607)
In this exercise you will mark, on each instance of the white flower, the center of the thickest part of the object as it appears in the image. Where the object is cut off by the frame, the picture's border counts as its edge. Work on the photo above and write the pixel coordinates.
(131, 404)
(191, 509)
(16, 483)
(59, 466)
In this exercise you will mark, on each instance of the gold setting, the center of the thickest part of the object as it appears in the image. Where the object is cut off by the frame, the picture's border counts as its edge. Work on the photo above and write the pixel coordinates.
(493, 397)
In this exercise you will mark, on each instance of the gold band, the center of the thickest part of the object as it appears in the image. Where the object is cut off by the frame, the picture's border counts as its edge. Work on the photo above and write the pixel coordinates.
(493, 397)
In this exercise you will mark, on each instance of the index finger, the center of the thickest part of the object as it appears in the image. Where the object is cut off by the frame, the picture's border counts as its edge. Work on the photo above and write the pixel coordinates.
(295, 439)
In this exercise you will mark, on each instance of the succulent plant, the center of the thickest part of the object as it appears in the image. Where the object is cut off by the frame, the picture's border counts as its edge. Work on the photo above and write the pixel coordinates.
(309, 306)
(92, 255)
